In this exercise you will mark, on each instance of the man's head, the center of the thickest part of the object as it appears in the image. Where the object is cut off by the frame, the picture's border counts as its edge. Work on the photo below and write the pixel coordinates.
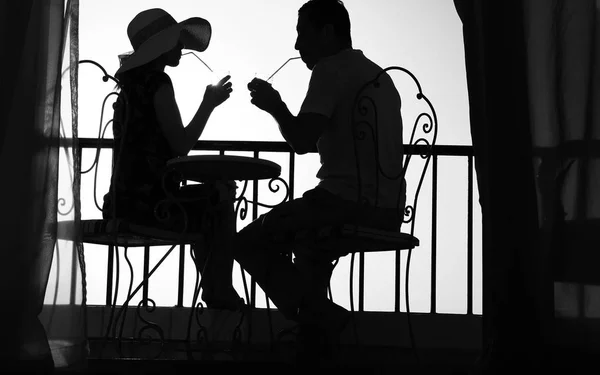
(323, 30)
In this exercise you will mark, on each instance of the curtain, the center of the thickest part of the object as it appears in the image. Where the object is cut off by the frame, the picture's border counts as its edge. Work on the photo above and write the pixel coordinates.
(533, 92)
(42, 287)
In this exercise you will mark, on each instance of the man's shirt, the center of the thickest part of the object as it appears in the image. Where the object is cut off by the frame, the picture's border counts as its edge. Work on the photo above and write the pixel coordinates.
(334, 84)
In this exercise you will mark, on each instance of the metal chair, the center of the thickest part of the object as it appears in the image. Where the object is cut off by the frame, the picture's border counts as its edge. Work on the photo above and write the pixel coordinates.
(123, 233)
(351, 238)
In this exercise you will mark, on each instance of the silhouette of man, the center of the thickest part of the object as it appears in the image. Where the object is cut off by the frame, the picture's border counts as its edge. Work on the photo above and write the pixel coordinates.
(298, 286)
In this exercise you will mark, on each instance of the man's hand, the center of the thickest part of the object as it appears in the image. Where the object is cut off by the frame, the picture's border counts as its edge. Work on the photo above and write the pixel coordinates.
(264, 96)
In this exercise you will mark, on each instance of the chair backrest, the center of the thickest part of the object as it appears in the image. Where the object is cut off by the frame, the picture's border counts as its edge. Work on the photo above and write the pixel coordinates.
(115, 95)
(366, 122)
(121, 230)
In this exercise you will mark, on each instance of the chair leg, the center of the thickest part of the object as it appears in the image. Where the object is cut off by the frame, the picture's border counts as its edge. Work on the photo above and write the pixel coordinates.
(200, 259)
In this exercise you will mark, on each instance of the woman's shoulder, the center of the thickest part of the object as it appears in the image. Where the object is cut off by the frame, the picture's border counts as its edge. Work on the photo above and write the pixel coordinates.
(157, 79)
(148, 86)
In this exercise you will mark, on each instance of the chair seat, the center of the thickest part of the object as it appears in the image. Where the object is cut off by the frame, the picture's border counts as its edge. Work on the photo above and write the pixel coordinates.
(350, 238)
(370, 239)
(120, 232)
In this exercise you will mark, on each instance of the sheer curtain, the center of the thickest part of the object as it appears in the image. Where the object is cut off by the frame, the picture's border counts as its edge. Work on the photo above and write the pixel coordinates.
(43, 294)
(563, 44)
(532, 73)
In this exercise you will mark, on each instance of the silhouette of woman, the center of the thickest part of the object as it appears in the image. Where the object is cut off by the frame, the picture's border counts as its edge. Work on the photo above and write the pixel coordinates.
(148, 131)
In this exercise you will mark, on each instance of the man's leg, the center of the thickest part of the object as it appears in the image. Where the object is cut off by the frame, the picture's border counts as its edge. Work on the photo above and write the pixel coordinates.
(269, 265)
(315, 268)
(261, 247)
(299, 288)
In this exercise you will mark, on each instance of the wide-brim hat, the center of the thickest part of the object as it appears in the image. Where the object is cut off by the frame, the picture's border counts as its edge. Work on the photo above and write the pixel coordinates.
(154, 31)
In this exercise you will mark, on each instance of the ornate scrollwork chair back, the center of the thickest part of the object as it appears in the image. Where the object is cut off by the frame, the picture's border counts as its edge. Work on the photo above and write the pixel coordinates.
(420, 146)
(383, 168)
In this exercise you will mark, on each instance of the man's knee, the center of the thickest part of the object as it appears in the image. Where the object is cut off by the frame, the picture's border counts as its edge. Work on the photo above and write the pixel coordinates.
(255, 237)
(249, 236)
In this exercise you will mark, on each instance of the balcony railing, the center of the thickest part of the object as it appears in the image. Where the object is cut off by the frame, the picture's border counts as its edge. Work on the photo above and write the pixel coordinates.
(97, 153)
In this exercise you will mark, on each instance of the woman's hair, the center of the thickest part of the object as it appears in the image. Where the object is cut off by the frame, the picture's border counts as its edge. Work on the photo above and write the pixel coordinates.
(333, 12)
(135, 74)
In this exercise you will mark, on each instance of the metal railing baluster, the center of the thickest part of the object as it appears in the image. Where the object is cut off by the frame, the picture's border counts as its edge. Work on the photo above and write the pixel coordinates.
(470, 235)
(181, 276)
(434, 180)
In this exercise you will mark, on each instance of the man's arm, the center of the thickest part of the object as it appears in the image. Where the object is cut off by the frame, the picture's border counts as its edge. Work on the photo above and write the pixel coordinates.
(301, 132)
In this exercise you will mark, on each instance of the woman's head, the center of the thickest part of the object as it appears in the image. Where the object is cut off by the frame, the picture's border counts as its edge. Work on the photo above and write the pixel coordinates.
(158, 39)
(170, 58)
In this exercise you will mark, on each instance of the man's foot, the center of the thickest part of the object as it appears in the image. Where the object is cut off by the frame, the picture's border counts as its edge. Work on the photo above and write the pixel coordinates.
(318, 338)
(316, 345)
(324, 313)
(229, 300)
(311, 345)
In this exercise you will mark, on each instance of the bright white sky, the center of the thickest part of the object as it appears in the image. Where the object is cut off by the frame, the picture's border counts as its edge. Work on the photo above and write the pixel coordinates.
(254, 38)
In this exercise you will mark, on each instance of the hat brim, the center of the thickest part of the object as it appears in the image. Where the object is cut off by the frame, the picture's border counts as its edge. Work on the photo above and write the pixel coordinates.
(194, 33)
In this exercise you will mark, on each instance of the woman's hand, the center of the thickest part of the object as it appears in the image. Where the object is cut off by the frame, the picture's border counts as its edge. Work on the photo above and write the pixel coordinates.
(216, 94)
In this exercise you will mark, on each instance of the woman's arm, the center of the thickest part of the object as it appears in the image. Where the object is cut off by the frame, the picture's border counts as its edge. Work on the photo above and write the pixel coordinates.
(183, 138)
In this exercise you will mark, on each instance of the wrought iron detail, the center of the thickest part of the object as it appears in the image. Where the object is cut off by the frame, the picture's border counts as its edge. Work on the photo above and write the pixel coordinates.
(202, 333)
(243, 211)
(61, 203)
(241, 208)
(408, 214)
(122, 314)
(423, 136)
(149, 325)
(236, 339)
(120, 319)
(426, 126)
(197, 309)
(101, 132)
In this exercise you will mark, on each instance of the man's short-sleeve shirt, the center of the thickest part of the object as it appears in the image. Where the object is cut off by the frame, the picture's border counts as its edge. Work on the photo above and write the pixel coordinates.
(334, 84)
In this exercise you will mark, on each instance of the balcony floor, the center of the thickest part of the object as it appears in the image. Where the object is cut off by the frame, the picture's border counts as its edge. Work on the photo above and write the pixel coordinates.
(280, 358)
(351, 359)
